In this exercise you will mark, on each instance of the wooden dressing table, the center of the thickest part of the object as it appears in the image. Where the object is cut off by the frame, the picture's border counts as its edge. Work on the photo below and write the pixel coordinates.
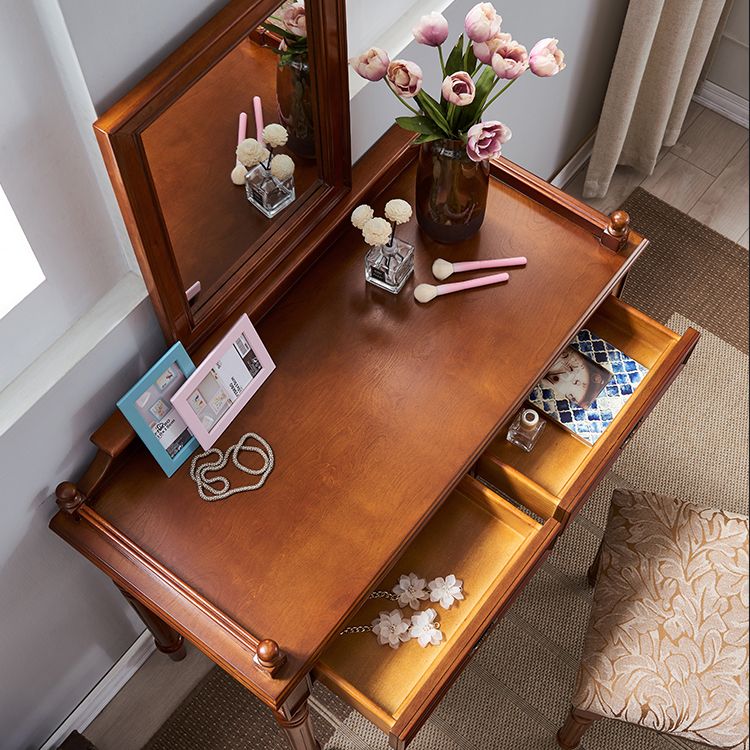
(384, 415)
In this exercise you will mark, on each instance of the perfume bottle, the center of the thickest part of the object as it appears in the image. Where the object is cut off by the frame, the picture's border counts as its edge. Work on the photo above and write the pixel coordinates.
(389, 266)
(268, 194)
(526, 429)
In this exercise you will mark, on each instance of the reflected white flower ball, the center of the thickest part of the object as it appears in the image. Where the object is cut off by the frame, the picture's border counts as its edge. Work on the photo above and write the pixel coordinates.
(282, 167)
(361, 215)
(238, 175)
(376, 231)
(250, 152)
(398, 211)
(275, 135)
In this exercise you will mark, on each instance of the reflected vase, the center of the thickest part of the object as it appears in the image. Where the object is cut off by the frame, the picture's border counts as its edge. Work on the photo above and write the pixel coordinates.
(294, 96)
(451, 191)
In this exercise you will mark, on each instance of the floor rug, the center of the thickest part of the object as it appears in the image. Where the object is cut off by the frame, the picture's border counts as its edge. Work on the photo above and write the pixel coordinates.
(694, 445)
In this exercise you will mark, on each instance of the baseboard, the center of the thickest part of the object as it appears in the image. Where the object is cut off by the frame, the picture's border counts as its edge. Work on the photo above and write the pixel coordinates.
(103, 692)
(569, 170)
(724, 102)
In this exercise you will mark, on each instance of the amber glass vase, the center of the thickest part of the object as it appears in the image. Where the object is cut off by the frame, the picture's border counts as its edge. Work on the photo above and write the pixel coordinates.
(294, 95)
(451, 191)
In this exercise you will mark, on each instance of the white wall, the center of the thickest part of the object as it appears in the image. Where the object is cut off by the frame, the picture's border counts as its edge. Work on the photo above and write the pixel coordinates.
(549, 118)
(729, 68)
(62, 624)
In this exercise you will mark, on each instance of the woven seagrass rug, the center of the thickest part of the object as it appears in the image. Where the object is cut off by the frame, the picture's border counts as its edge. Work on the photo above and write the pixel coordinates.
(514, 693)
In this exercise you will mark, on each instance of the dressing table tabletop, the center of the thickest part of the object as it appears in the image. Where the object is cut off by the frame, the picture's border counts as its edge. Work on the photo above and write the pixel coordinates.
(377, 408)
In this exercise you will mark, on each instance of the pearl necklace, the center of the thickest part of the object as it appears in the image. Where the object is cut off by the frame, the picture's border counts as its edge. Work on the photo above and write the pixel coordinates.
(218, 487)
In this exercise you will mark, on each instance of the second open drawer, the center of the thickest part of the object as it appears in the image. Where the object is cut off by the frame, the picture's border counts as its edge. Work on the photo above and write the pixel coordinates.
(563, 467)
(483, 540)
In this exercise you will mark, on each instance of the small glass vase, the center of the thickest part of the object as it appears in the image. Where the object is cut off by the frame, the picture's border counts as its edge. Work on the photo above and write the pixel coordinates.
(451, 191)
(389, 266)
(526, 429)
(294, 97)
(266, 193)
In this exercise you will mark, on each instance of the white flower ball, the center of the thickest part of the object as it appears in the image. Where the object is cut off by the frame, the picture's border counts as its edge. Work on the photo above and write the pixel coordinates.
(361, 215)
(376, 231)
(282, 167)
(238, 175)
(398, 211)
(250, 152)
(275, 135)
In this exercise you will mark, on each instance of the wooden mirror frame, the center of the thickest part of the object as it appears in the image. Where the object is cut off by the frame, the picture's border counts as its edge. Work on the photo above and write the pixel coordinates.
(278, 257)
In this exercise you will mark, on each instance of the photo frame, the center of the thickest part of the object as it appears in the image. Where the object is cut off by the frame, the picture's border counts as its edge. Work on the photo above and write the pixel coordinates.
(223, 383)
(149, 407)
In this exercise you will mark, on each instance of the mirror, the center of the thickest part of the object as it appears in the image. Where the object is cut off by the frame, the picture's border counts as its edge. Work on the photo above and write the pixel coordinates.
(206, 230)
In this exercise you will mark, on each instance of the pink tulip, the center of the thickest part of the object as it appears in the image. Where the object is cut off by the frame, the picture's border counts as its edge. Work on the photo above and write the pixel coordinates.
(545, 59)
(431, 30)
(485, 140)
(294, 19)
(404, 77)
(372, 65)
(482, 22)
(483, 51)
(458, 89)
(510, 60)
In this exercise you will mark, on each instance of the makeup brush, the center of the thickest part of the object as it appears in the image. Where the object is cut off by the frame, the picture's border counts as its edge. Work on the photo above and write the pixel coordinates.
(442, 269)
(239, 171)
(428, 292)
(258, 110)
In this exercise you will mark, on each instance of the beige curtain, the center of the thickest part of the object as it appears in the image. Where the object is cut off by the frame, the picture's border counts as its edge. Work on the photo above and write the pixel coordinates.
(662, 50)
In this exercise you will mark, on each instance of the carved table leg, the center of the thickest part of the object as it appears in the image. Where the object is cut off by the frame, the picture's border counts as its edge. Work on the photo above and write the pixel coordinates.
(167, 640)
(294, 719)
(575, 727)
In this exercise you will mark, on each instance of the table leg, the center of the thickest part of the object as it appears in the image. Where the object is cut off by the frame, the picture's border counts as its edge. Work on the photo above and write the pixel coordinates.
(294, 720)
(167, 640)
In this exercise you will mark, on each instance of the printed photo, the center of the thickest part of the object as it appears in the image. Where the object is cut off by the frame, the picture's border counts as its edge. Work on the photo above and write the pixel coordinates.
(155, 408)
(225, 382)
(575, 377)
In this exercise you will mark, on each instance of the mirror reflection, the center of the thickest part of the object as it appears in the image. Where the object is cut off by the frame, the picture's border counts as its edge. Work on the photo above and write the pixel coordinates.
(235, 152)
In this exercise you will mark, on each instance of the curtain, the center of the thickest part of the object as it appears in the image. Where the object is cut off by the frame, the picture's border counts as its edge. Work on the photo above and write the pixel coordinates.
(663, 47)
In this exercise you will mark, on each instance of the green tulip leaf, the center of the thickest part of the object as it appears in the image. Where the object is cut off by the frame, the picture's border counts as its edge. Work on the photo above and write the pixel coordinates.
(456, 58)
(432, 109)
(421, 124)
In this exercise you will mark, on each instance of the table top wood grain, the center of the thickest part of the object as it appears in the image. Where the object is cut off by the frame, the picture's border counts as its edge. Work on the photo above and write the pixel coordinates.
(378, 406)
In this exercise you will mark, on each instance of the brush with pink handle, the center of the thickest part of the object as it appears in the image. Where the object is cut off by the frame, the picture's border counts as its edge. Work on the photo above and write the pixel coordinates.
(239, 171)
(428, 292)
(442, 269)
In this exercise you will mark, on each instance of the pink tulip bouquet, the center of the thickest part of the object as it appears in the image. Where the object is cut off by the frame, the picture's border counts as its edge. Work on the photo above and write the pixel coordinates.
(483, 59)
(290, 23)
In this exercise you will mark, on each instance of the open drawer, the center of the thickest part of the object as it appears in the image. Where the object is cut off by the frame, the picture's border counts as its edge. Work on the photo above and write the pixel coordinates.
(489, 544)
(564, 467)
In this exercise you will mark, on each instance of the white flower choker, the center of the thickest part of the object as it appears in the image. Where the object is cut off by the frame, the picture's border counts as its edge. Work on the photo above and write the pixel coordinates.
(392, 628)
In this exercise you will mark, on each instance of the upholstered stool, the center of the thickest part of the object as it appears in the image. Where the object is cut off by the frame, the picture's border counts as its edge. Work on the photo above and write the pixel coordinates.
(667, 644)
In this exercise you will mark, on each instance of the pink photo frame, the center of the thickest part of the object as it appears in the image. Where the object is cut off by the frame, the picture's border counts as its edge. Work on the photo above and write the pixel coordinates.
(223, 383)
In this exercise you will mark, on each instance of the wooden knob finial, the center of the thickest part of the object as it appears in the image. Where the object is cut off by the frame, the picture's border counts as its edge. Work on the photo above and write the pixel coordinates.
(69, 498)
(269, 655)
(619, 221)
(616, 233)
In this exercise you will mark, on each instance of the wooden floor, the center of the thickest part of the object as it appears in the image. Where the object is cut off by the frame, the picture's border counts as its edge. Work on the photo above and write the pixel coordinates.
(705, 174)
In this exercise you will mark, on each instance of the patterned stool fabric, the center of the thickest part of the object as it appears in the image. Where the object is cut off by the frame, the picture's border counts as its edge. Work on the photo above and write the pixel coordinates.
(667, 644)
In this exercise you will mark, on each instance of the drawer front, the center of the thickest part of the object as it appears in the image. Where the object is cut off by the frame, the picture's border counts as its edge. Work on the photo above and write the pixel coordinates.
(566, 468)
(489, 544)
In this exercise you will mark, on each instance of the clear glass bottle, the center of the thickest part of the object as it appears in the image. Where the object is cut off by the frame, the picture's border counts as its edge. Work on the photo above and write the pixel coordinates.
(266, 193)
(526, 429)
(389, 266)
